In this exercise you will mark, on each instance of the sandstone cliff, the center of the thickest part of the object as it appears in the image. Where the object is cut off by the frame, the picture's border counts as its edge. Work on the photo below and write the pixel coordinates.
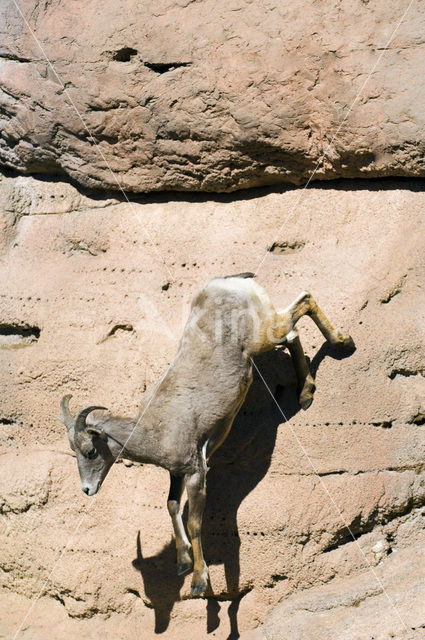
(93, 296)
(314, 526)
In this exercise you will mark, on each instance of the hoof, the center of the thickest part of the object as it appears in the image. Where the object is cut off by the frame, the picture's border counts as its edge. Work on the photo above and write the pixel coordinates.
(197, 590)
(307, 393)
(184, 568)
(346, 343)
(200, 582)
(306, 402)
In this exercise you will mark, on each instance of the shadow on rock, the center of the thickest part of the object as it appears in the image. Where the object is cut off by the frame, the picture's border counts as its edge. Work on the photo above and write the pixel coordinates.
(242, 462)
(161, 583)
(235, 470)
(328, 350)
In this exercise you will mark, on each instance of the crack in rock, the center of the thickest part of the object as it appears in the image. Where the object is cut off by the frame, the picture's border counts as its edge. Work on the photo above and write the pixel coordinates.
(13, 335)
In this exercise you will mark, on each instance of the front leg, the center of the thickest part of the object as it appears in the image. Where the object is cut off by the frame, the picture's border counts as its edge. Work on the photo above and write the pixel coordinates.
(184, 561)
(196, 491)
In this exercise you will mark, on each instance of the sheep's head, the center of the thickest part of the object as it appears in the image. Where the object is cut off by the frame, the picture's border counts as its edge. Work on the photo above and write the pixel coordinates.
(90, 443)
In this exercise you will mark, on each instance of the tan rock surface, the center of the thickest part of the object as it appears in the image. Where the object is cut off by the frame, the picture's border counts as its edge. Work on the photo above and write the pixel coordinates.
(353, 609)
(214, 95)
(92, 300)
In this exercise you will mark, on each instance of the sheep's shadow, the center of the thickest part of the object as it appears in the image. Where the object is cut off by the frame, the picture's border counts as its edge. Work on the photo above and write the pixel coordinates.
(235, 470)
(161, 583)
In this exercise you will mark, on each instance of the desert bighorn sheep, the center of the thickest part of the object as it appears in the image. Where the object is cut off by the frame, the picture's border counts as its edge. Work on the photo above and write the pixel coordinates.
(231, 320)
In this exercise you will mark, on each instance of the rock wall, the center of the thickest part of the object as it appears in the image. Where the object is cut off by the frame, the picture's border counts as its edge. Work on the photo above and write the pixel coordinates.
(93, 296)
(211, 96)
(354, 609)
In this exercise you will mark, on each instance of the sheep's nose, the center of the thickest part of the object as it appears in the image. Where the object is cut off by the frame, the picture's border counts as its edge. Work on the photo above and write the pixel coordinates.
(86, 490)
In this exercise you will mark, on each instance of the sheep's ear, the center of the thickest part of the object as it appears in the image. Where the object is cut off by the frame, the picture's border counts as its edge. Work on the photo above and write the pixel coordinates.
(96, 431)
(71, 439)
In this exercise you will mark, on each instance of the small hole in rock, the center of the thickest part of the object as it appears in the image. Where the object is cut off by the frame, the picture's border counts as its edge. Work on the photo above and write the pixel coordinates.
(124, 55)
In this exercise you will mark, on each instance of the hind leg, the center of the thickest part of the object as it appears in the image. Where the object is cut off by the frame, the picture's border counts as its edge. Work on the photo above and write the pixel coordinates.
(305, 304)
(306, 385)
(288, 335)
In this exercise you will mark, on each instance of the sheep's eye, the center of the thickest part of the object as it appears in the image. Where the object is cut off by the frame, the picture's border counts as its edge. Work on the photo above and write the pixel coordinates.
(92, 454)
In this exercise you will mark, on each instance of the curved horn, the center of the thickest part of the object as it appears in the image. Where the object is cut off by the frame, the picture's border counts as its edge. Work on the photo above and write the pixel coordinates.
(80, 420)
(66, 416)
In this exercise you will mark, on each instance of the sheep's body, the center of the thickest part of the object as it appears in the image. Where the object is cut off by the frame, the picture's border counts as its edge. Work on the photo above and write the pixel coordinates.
(210, 375)
(231, 320)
